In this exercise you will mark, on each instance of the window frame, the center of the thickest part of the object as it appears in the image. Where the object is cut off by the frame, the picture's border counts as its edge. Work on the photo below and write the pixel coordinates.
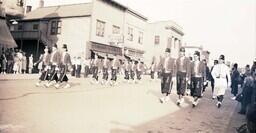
(157, 40)
(116, 29)
(56, 27)
(100, 28)
(130, 34)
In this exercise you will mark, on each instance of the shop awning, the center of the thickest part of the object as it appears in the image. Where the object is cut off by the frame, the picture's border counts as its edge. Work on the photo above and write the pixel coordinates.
(6, 39)
(110, 56)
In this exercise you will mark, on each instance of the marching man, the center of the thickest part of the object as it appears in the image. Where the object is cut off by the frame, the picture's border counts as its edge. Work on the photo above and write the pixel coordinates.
(95, 69)
(106, 66)
(127, 69)
(198, 75)
(65, 63)
(115, 65)
(183, 75)
(139, 70)
(45, 59)
(54, 61)
(168, 64)
(222, 80)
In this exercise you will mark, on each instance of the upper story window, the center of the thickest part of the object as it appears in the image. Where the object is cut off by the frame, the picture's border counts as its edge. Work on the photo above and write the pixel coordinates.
(157, 40)
(130, 34)
(35, 26)
(100, 28)
(116, 29)
(56, 27)
(140, 39)
(20, 27)
(20, 3)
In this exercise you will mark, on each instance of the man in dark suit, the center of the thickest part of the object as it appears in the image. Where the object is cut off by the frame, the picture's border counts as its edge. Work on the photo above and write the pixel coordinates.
(45, 59)
(198, 75)
(55, 62)
(65, 63)
(114, 67)
(168, 64)
(182, 75)
(105, 69)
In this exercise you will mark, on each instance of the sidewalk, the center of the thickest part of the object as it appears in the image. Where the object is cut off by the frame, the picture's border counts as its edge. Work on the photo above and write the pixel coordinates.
(18, 76)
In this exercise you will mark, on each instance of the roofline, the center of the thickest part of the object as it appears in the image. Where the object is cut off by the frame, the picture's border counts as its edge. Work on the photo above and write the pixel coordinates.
(65, 5)
(127, 9)
(35, 19)
(160, 21)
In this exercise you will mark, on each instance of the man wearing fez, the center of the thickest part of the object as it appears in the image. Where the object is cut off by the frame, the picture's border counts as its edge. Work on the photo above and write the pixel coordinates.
(45, 59)
(114, 67)
(133, 70)
(168, 64)
(106, 67)
(182, 75)
(198, 75)
(55, 62)
(139, 70)
(65, 63)
(95, 69)
(127, 69)
(222, 79)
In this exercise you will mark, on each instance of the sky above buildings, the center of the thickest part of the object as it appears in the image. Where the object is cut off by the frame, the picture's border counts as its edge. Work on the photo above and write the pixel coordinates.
(221, 26)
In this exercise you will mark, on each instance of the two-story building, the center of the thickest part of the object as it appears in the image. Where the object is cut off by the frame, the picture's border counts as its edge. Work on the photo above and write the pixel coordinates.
(100, 26)
(162, 35)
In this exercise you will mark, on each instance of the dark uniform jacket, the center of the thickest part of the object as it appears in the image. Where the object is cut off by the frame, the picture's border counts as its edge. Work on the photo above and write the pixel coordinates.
(115, 64)
(106, 63)
(55, 58)
(168, 65)
(45, 58)
(140, 67)
(65, 59)
(198, 71)
(96, 62)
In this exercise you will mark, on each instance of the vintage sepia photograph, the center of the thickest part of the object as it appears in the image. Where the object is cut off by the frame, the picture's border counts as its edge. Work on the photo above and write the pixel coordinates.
(127, 66)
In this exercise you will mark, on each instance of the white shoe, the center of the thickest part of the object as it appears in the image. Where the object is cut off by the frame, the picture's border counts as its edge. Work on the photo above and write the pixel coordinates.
(181, 100)
(167, 98)
(47, 85)
(233, 98)
(37, 84)
(67, 86)
(178, 102)
(213, 97)
(162, 100)
(195, 103)
(218, 104)
(57, 86)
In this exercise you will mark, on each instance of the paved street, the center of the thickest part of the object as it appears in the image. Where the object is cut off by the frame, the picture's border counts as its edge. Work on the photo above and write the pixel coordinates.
(125, 108)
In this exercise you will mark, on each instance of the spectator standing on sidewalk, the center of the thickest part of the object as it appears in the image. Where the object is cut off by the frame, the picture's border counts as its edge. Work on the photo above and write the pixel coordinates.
(235, 75)
(24, 63)
(20, 57)
(78, 64)
(30, 64)
(3, 63)
(16, 64)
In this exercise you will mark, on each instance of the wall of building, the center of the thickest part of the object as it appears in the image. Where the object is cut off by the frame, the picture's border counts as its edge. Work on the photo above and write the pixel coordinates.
(159, 29)
(74, 33)
(138, 25)
(111, 16)
(13, 7)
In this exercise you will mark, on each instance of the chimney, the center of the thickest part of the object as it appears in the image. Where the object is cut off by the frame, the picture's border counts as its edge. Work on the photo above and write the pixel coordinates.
(28, 9)
(41, 3)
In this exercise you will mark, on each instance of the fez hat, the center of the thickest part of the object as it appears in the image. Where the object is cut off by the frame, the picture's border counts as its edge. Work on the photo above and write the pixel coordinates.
(182, 49)
(64, 46)
(197, 53)
(222, 57)
(168, 50)
(55, 45)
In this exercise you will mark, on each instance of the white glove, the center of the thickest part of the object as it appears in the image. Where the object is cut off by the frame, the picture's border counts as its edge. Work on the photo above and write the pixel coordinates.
(229, 84)
(57, 69)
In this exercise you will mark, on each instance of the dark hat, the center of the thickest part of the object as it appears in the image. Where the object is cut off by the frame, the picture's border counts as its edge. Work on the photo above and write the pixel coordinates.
(168, 50)
(106, 55)
(64, 46)
(222, 57)
(55, 45)
(197, 53)
(182, 49)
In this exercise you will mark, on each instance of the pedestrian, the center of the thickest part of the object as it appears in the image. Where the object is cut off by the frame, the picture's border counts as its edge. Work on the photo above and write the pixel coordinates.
(208, 75)
(182, 75)
(3, 63)
(16, 64)
(234, 80)
(20, 57)
(86, 67)
(45, 61)
(115, 64)
(222, 79)
(65, 64)
(73, 72)
(139, 70)
(153, 69)
(127, 69)
(78, 67)
(212, 79)
(198, 75)
(30, 64)
(133, 70)
(168, 64)
(10, 61)
(95, 69)
(24, 63)
(54, 62)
